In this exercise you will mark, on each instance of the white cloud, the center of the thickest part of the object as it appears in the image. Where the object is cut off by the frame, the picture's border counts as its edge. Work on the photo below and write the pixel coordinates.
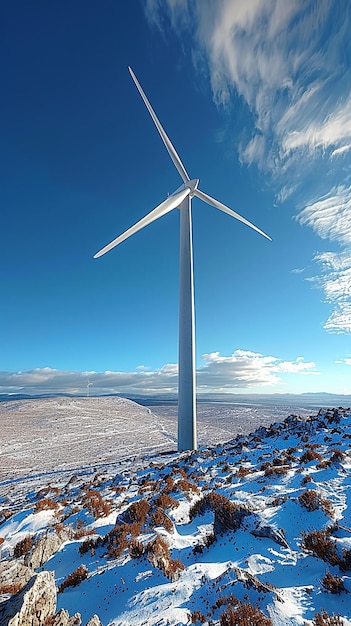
(340, 320)
(330, 216)
(335, 282)
(289, 62)
(243, 369)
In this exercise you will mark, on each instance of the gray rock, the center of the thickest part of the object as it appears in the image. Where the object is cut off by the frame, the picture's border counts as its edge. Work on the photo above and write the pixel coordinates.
(14, 574)
(94, 621)
(62, 618)
(276, 534)
(44, 548)
(33, 605)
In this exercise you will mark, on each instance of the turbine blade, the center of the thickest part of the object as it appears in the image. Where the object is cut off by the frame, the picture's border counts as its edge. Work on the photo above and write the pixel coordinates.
(170, 148)
(166, 206)
(222, 207)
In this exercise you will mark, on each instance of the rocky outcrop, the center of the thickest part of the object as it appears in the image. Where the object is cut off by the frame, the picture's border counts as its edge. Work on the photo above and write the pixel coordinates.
(33, 605)
(62, 618)
(275, 534)
(44, 548)
(14, 576)
(94, 621)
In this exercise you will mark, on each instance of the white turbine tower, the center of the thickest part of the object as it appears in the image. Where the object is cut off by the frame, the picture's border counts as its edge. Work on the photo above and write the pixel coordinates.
(181, 199)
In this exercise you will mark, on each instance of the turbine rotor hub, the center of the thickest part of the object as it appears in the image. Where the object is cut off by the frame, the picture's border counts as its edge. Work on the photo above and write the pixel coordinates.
(192, 185)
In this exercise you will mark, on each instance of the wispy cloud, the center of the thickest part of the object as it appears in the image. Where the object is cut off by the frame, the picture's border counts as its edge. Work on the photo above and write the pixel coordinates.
(330, 216)
(241, 370)
(289, 63)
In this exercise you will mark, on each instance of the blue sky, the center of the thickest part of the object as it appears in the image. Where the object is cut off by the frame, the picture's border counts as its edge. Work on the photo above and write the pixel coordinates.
(255, 97)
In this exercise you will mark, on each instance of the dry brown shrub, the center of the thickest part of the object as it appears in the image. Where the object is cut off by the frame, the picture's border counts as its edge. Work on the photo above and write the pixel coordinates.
(45, 504)
(83, 531)
(45, 490)
(319, 542)
(345, 563)
(96, 505)
(186, 486)
(278, 501)
(197, 616)
(117, 548)
(323, 619)
(138, 512)
(182, 472)
(22, 547)
(159, 518)
(242, 472)
(334, 584)
(337, 456)
(228, 515)
(310, 499)
(164, 501)
(136, 549)
(310, 455)
(12, 588)
(169, 485)
(119, 538)
(244, 614)
(89, 544)
(118, 489)
(276, 471)
(75, 578)
(306, 479)
(173, 568)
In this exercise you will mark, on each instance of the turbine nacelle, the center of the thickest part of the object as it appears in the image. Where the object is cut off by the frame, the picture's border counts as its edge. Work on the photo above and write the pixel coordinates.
(191, 185)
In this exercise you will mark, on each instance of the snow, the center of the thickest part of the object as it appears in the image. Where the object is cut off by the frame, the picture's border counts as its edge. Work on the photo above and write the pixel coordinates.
(282, 578)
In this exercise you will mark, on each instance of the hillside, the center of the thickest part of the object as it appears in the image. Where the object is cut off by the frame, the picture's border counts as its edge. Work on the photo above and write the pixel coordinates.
(256, 531)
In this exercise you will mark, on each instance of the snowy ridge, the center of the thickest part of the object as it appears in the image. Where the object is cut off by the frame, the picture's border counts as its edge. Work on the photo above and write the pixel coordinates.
(256, 531)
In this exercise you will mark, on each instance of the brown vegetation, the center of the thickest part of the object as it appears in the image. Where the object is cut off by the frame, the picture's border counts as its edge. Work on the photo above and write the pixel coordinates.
(164, 501)
(11, 588)
(334, 584)
(23, 546)
(75, 578)
(244, 614)
(323, 619)
(310, 455)
(45, 504)
(96, 505)
(312, 501)
(138, 511)
(320, 543)
(228, 515)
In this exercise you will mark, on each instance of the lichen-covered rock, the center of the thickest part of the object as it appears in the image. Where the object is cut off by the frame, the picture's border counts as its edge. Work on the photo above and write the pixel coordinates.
(33, 605)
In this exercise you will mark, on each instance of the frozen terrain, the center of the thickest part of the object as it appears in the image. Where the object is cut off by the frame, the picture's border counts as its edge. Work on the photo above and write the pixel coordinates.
(55, 434)
(254, 531)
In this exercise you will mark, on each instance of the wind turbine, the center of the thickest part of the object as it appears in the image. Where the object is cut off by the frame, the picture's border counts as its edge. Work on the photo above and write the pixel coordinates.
(89, 384)
(181, 199)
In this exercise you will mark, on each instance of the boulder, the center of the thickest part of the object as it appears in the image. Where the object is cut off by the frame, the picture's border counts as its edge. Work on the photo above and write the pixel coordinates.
(275, 534)
(33, 605)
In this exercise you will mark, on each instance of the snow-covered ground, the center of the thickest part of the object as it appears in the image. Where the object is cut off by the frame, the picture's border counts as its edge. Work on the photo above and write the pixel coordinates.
(56, 434)
(187, 538)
